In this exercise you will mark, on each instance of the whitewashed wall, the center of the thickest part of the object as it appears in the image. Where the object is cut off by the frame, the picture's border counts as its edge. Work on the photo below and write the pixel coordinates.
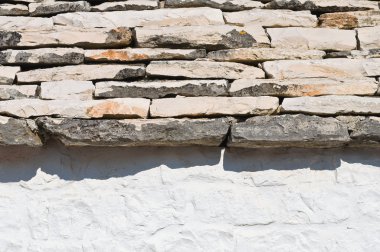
(189, 199)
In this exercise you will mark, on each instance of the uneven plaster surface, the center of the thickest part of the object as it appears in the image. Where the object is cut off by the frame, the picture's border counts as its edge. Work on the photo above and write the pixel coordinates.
(189, 199)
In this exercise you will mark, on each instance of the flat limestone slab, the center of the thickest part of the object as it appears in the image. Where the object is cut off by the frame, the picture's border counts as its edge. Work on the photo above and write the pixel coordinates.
(350, 20)
(13, 10)
(82, 73)
(25, 23)
(213, 106)
(249, 55)
(211, 37)
(67, 90)
(137, 132)
(8, 74)
(55, 7)
(111, 108)
(160, 17)
(225, 5)
(11, 92)
(271, 18)
(369, 37)
(289, 131)
(143, 54)
(203, 70)
(303, 87)
(332, 105)
(126, 5)
(363, 130)
(159, 89)
(18, 132)
(312, 38)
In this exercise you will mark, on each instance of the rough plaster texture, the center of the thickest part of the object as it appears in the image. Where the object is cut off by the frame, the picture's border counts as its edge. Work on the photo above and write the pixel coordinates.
(189, 199)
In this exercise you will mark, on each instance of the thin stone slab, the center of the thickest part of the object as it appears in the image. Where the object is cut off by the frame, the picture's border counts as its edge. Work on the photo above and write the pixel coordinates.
(213, 106)
(67, 90)
(137, 132)
(13, 10)
(303, 87)
(14, 24)
(252, 55)
(111, 108)
(213, 37)
(18, 132)
(11, 92)
(8, 74)
(43, 56)
(312, 38)
(363, 130)
(142, 54)
(126, 5)
(163, 88)
(327, 68)
(350, 20)
(289, 131)
(203, 70)
(82, 73)
(332, 105)
(159, 17)
(365, 54)
(55, 7)
(225, 5)
(271, 18)
(369, 37)
(64, 36)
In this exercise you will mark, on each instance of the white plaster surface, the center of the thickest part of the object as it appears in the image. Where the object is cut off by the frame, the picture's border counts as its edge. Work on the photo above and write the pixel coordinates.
(189, 199)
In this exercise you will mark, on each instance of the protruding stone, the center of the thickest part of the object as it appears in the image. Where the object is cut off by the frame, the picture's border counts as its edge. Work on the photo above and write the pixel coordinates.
(203, 70)
(303, 87)
(82, 73)
(18, 132)
(251, 55)
(13, 10)
(213, 37)
(63, 36)
(67, 90)
(213, 106)
(159, 89)
(332, 105)
(312, 38)
(363, 130)
(369, 37)
(8, 74)
(55, 7)
(225, 5)
(111, 108)
(137, 132)
(271, 18)
(29, 24)
(126, 5)
(159, 17)
(143, 54)
(288, 131)
(43, 56)
(11, 92)
(327, 68)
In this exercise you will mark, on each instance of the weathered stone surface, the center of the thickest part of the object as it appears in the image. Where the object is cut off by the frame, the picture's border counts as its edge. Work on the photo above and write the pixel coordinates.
(350, 20)
(369, 37)
(213, 106)
(67, 90)
(43, 56)
(203, 70)
(323, 5)
(8, 74)
(303, 87)
(158, 89)
(288, 131)
(10, 92)
(225, 5)
(137, 132)
(55, 7)
(63, 36)
(271, 18)
(332, 105)
(327, 68)
(126, 5)
(82, 73)
(13, 24)
(111, 108)
(363, 130)
(18, 132)
(312, 38)
(142, 54)
(366, 54)
(213, 37)
(249, 55)
(13, 10)
(159, 17)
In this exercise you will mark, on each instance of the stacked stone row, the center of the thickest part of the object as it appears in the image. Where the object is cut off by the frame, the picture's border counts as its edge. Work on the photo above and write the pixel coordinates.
(237, 73)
